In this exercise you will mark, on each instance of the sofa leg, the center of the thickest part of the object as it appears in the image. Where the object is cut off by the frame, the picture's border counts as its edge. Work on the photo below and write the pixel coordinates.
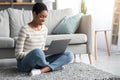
(90, 60)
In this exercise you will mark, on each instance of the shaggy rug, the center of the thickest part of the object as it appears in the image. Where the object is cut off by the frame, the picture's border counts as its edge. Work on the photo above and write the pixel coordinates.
(72, 71)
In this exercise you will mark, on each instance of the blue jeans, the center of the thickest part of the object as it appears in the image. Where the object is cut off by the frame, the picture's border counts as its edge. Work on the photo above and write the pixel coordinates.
(37, 59)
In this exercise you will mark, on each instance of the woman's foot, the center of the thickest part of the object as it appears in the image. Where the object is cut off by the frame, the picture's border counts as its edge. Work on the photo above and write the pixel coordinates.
(45, 69)
(38, 71)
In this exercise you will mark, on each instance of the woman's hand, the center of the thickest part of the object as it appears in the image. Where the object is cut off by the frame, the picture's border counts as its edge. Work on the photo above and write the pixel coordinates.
(45, 51)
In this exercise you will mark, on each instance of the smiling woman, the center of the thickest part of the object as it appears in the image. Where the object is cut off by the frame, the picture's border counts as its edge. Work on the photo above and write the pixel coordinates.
(30, 46)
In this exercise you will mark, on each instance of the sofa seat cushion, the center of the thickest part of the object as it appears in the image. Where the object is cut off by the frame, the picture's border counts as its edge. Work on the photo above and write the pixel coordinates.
(6, 42)
(75, 38)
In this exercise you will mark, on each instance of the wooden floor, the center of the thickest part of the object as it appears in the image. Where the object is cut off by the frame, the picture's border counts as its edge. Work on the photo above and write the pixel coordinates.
(110, 64)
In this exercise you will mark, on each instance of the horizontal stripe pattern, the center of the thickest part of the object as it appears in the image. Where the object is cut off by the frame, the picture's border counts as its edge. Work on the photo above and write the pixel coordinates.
(29, 39)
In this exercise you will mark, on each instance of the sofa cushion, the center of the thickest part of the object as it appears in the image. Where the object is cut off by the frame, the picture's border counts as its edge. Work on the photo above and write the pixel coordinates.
(68, 25)
(55, 16)
(75, 38)
(4, 24)
(18, 18)
(6, 42)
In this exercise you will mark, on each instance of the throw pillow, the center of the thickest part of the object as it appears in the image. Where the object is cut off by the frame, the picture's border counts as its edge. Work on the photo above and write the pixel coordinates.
(68, 25)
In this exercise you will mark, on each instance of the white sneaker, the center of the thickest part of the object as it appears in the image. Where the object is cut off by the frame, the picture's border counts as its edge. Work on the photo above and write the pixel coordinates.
(35, 72)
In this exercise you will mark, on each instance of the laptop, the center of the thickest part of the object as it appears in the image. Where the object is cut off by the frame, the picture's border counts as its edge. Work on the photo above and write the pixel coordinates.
(57, 47)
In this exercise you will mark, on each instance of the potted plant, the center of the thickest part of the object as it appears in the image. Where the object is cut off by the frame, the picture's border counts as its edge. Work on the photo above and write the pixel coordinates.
(83, 7)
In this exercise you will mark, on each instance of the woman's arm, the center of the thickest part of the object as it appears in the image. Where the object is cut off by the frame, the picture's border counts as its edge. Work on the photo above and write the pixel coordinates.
(45, 37)
(20, 44)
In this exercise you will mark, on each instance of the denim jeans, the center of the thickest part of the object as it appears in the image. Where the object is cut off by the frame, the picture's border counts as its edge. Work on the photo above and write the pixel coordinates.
(37, 59)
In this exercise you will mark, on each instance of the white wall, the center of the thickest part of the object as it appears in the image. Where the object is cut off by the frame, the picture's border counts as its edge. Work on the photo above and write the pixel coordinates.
(74, 4)
(101, 10)
(49, 4)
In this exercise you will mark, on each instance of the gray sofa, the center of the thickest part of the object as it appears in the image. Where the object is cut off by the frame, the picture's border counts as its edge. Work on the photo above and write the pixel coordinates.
(11, 20)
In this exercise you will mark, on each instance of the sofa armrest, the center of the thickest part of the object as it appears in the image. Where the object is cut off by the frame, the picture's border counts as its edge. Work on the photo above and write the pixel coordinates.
(86, 26)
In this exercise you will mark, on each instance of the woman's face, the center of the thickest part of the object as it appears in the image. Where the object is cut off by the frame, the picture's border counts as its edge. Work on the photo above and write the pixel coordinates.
(40, 17)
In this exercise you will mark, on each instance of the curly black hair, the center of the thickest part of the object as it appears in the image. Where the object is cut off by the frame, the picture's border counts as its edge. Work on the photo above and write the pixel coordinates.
(39, 7)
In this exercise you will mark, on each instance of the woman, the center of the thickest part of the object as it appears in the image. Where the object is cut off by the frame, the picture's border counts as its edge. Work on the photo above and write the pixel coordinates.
(30, 47)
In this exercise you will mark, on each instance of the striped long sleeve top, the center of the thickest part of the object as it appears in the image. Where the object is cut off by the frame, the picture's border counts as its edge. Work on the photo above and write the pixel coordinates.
(29, 39)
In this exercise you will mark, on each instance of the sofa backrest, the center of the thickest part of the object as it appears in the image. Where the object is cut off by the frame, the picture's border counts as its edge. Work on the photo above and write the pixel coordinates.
(4, 24)
(19, 18)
